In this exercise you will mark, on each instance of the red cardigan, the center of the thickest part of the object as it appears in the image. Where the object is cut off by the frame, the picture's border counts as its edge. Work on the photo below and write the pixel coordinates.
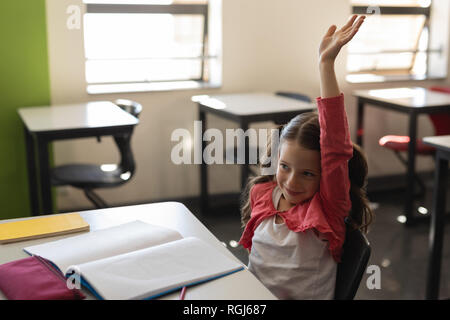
(327, 209)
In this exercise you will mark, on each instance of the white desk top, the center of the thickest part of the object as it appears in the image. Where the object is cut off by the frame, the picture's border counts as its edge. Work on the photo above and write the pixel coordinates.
(439, 142)
(75, 116)
(413, 97)
(245, 104)
(241, 285)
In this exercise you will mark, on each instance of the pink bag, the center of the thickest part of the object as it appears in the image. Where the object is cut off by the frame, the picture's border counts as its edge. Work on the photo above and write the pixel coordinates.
(34, 278)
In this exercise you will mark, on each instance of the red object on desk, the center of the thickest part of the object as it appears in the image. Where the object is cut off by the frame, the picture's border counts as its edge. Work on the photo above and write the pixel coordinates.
(183, 293)
(34, 278)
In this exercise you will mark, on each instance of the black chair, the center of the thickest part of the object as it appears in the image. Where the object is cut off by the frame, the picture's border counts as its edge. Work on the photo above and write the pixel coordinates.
(294, 95)
(91, 176)
(355, 256)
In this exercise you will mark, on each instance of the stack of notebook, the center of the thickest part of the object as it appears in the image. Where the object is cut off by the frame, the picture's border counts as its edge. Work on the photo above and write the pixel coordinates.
(42, 227)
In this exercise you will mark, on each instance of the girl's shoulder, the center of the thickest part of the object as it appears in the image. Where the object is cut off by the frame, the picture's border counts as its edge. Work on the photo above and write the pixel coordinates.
(260, 189)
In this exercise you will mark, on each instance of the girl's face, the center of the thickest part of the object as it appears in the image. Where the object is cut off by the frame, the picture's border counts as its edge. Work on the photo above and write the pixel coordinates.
(298, 172)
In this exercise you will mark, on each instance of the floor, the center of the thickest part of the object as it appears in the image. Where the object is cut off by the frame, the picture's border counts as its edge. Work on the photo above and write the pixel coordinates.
(400, 252)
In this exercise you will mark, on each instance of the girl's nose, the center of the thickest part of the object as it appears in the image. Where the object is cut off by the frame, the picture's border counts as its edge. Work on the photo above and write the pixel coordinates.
(294, 183)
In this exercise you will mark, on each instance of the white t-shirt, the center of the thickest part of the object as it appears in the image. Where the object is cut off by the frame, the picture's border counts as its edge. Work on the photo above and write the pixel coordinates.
(292, 265)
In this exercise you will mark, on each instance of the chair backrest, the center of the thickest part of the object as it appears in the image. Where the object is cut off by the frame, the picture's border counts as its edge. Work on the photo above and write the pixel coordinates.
(441, 121)
(132, 107)
(355, 256)
(294, 95)
(123, 142)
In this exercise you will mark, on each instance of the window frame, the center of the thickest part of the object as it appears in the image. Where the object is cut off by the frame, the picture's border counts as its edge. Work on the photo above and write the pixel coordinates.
(163, 85)
(383, 74)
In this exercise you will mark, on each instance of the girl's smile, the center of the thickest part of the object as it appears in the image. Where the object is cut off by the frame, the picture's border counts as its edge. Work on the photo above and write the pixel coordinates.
(292, 193)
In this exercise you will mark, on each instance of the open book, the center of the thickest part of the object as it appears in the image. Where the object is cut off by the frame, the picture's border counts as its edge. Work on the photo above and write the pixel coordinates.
(136, 260)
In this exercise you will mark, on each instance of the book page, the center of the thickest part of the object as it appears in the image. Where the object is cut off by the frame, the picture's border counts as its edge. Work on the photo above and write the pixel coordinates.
(103, 243)
(150, 272)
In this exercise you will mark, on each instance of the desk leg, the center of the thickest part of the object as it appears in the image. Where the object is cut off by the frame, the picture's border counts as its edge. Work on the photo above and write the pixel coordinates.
(32, 176)
(409, 198)
(437, 228)
(203, 171)
(44, 171)
(245, 167)
(360, 123)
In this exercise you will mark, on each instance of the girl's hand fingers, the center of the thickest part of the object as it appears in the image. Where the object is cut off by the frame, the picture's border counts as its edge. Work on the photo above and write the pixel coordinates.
(360, 20)
(334, 40)
(331, 31)
(351, 33)
(358, 25)
(349, 22)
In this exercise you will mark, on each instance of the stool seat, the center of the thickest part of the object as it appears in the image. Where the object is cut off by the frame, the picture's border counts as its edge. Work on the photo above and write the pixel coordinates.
(400, 143)
(88, 176)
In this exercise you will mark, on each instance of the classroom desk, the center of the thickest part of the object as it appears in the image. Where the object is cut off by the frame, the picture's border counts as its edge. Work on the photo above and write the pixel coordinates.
(245, 108)
(412, 101)
(45, 124)
(241, 285)
(442, 145)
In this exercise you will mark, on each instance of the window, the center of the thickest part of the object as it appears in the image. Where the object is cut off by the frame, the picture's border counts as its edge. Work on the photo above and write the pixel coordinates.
(395, 44)
(145, 45)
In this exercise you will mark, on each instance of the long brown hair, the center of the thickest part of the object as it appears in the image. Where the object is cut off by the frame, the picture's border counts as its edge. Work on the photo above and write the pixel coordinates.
(305, 129)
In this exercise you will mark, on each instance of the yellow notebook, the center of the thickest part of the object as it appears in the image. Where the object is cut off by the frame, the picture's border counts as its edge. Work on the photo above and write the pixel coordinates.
(42, 227)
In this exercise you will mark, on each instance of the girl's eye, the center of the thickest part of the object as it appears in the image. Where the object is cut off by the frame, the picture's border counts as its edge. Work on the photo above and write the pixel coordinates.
(283, 166)
(308, 174)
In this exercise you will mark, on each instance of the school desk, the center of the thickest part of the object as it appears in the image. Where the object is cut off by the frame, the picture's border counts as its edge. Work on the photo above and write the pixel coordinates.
(442, 145)
(45, 124)
(245, 108)
(412, 101)
(241, 285)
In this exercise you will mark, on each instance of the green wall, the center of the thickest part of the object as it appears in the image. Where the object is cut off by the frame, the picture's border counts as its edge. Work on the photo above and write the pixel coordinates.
(24, 81)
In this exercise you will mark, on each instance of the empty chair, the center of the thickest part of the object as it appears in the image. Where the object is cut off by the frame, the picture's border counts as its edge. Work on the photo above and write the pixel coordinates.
(398, 144)
(294, 95)
(355, 256)
(92, 176)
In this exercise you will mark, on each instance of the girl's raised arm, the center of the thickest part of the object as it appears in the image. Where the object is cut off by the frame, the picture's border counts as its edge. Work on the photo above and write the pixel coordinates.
(336, 148)
(329, 48)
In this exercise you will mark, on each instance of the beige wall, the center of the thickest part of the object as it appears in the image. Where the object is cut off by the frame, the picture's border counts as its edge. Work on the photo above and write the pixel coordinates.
(268, 45)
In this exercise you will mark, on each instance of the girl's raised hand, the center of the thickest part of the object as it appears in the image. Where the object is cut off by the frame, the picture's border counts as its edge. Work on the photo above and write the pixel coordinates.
(334, 40)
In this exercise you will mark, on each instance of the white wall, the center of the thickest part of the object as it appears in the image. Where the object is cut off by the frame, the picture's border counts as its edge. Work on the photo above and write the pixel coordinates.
(268, 45)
